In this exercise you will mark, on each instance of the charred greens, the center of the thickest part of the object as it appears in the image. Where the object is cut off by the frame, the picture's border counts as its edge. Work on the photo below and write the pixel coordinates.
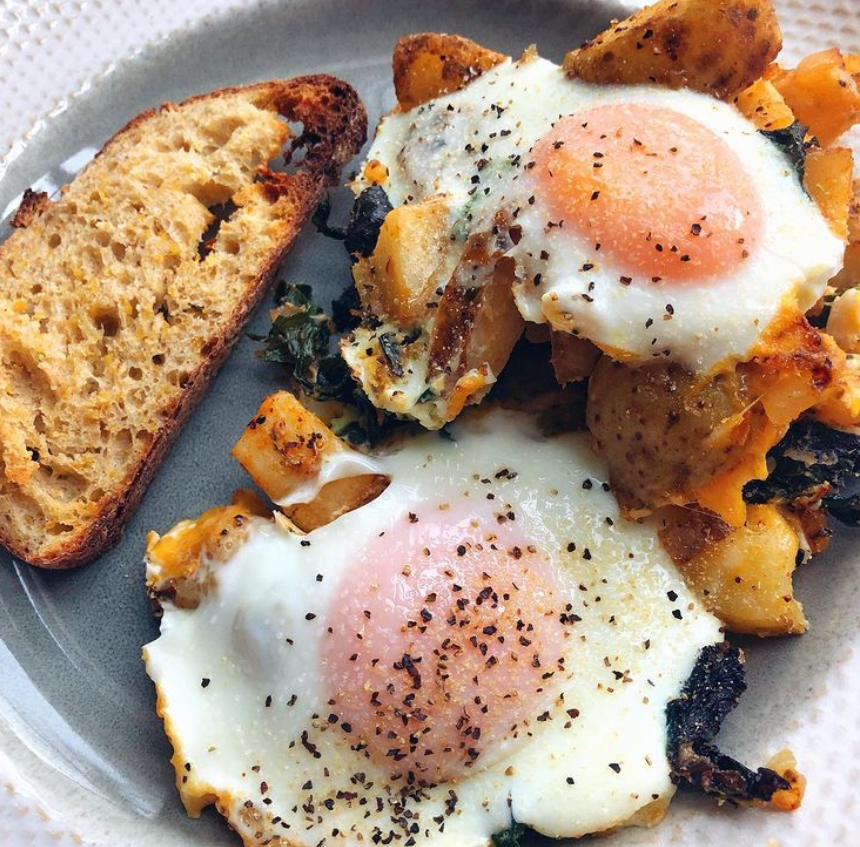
(301, 340)
(812, 462)
(792, 141)
(693, 721)
(368, 214)
(511, 836)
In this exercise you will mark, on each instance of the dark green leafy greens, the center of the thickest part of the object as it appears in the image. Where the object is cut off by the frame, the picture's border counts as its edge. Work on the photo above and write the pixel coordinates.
(511, 836)
(392, 351)
(813, 462)
(369, 211)
(792, 141)
(693, 721)
(301, 340)
(368, 214)
(299, 337)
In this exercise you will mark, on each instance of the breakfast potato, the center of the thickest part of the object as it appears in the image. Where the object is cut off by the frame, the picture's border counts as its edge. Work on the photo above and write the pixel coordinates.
(840, 407)
(573, 359)
(284, 445)
(843, 323)
(476, 327)
(656, 428)
(336, 498)
(829, 180)
(669, 439)
(717, 46)
(429, 64)
(822, 93)
(412, 258)
(745, 579)
(764, 106)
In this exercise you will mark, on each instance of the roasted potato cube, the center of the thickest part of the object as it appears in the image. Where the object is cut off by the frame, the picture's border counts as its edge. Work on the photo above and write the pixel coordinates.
(822, 93)
(498, 324)
(284, 445)
(745, 579)
(717, 46)
(573, 359)
(669, 439)
(413, 257)
(336, 498)
(764, 106)
(828, 179)
(476, 328)
(429, 64)
(841, 405)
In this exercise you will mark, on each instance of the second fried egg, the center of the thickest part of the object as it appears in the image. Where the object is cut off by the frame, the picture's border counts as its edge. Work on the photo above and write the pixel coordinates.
(656, 223)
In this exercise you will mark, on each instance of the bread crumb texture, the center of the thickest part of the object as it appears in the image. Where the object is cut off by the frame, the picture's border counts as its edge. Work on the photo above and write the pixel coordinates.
(120, 300)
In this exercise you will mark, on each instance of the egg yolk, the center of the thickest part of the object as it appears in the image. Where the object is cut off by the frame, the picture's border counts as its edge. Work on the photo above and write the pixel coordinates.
(661, 194)
(446, 641)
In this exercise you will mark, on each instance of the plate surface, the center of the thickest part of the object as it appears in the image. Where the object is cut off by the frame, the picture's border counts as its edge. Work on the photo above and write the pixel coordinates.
(79, 739)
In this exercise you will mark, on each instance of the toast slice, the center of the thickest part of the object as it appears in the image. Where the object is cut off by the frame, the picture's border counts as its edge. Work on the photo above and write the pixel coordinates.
(120, 300)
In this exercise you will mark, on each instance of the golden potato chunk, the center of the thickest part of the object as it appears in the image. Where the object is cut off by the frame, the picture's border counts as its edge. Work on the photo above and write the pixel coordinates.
(745, 579)
(430, 64)
(849, 276)
(822, 93)
(336, 498)
(284, 445)
(843, 324)
(412, 258)
(829, 181)
(717, 46)
(764, 106)
(669, 439)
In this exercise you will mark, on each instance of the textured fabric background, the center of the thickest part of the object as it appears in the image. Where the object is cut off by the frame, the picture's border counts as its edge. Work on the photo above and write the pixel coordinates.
(51, 51)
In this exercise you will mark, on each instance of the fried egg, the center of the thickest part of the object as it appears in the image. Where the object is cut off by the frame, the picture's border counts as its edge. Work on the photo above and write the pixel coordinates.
(656, 223)
(486, 642)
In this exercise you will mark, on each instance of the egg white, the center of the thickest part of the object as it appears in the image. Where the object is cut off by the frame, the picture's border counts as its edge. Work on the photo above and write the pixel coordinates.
(472, 146)
(256, 640)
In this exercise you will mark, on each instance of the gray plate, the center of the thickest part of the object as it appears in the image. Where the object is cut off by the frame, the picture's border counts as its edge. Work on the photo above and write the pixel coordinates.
(71, 679)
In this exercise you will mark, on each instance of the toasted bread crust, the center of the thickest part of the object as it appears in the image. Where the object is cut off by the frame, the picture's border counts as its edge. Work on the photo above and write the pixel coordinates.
(334, 128)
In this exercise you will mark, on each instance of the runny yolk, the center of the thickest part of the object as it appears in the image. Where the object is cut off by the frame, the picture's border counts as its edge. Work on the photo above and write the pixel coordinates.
(663, 195)
(447, 639)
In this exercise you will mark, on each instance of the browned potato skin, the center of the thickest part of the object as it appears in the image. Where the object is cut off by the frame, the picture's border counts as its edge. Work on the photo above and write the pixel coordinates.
(429, 64)
(573, 359)
(335, 499)
(652, 424)
(716, 46)
(498, 324)
(284, 445)
(475, 329)
(745, 579)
